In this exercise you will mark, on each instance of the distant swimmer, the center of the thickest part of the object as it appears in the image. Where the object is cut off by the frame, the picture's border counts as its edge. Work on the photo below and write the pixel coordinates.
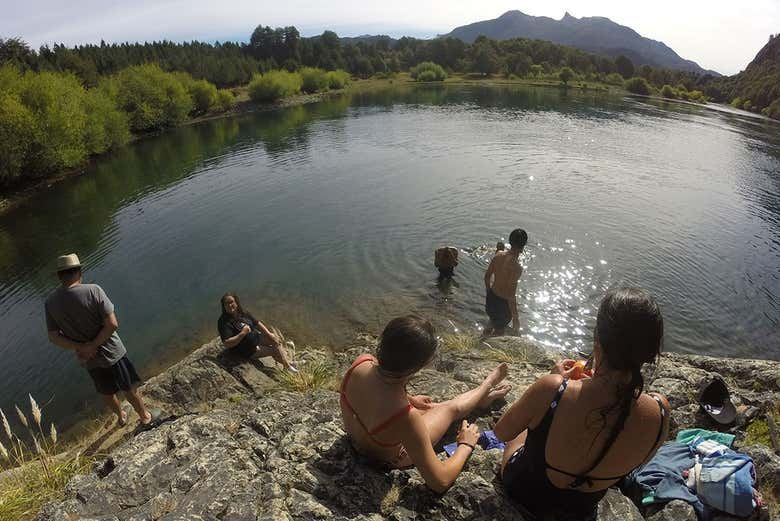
(445, 259)
(501, 279)
(500, 246)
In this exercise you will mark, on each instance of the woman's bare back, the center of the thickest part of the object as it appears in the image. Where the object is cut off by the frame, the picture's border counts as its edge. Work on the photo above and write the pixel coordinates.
(372, 405)
(578, 434)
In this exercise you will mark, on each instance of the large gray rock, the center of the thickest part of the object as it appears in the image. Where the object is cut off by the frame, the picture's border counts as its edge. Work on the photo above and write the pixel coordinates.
(241, 448)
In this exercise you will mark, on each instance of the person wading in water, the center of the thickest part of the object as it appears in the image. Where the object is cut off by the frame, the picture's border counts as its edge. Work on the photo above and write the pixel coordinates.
(501, 279)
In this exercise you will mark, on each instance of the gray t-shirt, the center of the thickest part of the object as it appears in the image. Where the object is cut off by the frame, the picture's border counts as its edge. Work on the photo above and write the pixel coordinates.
(78, 313)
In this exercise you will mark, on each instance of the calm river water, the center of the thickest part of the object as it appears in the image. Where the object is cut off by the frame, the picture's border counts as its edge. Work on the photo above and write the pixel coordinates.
(324, 219)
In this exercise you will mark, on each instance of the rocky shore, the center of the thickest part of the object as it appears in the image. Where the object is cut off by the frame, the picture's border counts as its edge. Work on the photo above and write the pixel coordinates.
(242, 446)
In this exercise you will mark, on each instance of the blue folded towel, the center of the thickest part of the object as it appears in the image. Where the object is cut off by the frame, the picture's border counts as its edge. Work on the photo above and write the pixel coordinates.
(487, 440)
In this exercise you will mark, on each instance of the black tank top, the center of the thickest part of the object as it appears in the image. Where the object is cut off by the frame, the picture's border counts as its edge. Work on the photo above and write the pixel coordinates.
(525, 475)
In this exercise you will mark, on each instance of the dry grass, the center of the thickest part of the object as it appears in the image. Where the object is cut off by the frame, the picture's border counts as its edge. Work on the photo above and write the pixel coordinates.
(312, 376)
(388, 503)
(459, 342)
(37, 474)
(501, 355)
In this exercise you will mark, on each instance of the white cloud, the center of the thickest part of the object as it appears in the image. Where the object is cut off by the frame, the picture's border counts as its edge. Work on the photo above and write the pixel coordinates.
(716, 34)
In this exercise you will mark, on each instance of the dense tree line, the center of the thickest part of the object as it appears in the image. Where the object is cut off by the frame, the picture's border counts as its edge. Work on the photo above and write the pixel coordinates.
(58, 105)
(224, 65)
(233, 64)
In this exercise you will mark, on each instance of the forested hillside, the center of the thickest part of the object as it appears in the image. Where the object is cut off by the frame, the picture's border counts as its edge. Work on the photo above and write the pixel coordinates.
(757, 88)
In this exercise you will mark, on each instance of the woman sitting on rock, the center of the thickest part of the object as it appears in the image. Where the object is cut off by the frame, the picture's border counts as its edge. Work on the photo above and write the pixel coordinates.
(570, 440)
(387, 425)
(246, 336)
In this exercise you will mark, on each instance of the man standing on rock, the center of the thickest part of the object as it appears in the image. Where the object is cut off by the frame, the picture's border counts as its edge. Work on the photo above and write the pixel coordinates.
(501, 278)
(80, 317)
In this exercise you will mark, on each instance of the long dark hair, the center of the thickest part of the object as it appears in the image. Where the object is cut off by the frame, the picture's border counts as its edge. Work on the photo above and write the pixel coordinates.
(406, 345)
(629, 331)
(240, 310)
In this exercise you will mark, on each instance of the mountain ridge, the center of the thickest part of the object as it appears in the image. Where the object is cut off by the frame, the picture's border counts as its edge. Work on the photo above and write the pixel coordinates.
(596, 34)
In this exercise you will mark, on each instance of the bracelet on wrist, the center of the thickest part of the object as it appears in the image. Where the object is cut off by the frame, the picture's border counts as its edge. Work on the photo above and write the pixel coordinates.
(466, 444)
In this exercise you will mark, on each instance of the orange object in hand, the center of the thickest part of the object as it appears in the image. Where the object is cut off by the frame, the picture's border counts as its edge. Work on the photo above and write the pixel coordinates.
(578, 370)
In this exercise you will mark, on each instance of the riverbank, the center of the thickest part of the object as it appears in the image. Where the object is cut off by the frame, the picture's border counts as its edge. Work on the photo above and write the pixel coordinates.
(244, 105)
(241, 443)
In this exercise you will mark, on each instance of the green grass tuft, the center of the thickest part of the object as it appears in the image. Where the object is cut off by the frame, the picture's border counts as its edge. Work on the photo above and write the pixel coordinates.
(758, 432)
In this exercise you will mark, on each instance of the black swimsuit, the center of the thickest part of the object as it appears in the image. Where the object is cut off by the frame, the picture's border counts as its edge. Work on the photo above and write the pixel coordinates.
(525, 475)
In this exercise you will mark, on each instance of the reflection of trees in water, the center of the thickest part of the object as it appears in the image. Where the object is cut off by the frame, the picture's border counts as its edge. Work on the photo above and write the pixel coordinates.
(75, 214)
(513, 98)
(282, 131)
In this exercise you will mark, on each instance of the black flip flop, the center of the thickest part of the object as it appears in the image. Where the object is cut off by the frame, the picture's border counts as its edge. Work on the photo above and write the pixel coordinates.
(157, 419)
(715, 398)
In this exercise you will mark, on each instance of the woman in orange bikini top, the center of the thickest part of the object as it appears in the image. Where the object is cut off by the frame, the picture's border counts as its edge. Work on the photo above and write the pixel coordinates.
(386, 424)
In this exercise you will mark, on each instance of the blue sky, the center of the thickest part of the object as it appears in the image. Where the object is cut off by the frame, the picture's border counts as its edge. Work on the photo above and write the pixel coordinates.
(716, 34)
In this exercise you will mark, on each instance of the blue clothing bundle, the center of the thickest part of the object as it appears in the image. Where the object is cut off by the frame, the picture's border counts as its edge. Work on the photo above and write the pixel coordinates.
(717, 477)
(487, 440)
(726, 483)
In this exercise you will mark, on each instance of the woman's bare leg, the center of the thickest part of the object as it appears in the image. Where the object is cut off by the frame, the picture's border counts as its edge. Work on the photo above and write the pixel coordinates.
(511, 447)
(441, 415)
(275, 352)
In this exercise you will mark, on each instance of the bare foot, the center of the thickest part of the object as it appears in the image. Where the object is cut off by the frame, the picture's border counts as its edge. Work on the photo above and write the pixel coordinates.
(147, 419)
(121, 420)
(496, 375)
(495, 394)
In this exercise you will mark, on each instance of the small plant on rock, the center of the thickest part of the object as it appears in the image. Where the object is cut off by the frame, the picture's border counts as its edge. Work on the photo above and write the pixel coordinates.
(458, 342)
(310, 377)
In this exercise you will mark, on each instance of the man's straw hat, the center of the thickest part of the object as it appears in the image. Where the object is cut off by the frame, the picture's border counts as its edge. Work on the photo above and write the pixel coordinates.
(66, 262)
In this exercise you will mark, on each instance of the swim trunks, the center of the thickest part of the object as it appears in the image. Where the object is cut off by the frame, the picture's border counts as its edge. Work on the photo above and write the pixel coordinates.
(498, 310)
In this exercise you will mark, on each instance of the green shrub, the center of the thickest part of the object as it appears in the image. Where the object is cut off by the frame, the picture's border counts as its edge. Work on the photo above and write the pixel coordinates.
(56, 103)
(17, 127)
(637, 85)
(204, 96)
(614, 79)
(202, 92)
(428, 71)
(274, 85)
(225, 100)
(565, 75)
(697, 96)
(10, 79)
(152, 98)
(667, 92)
(427, 75)
(737, 102)
(107, 127)
(313, 80)
(773, 110)
(338, 79)
(747, 105)
(386, 75)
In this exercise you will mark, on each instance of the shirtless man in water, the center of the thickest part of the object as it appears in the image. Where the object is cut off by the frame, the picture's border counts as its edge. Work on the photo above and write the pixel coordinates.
(501, 285)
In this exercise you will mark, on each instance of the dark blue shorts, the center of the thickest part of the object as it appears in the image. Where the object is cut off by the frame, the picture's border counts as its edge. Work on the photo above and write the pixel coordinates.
(497, 310)
(119, 377)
